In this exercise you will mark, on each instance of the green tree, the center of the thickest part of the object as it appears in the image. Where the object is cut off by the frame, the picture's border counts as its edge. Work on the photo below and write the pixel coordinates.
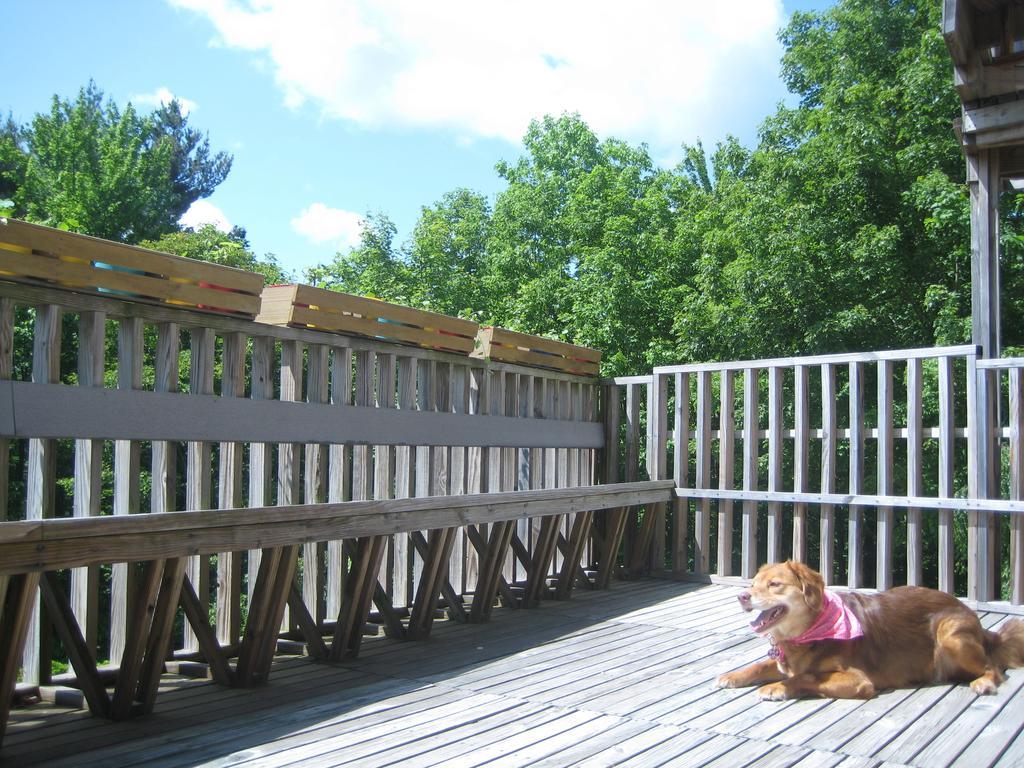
(90, 167)
(448, 256)
(229, 249)
(376, 267)
(195, 172)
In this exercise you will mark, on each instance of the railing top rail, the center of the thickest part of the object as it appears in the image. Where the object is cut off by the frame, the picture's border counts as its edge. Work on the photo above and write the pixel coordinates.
(625, 380)
(810, 360)
(1003, 363)
(163, 313)
(46, 545)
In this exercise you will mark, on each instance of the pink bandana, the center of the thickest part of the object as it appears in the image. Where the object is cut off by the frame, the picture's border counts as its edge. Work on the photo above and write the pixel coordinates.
(835, 622)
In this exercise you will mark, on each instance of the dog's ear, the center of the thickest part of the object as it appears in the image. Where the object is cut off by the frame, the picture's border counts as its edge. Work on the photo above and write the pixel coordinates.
(811, 583)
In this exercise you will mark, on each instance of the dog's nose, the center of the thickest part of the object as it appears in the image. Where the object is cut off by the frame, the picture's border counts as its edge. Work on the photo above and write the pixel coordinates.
(744, 598)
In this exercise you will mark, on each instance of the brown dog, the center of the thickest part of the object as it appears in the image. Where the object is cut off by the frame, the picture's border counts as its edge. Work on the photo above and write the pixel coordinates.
(849, 646)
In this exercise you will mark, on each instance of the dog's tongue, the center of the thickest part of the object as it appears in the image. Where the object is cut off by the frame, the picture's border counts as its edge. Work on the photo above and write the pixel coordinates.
(765, 619)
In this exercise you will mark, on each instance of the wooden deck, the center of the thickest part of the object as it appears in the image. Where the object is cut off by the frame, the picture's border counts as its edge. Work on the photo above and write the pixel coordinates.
(608, 678)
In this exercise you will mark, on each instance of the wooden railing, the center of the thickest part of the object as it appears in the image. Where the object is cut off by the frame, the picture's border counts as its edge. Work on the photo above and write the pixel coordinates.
(831, 460)
(156, 409)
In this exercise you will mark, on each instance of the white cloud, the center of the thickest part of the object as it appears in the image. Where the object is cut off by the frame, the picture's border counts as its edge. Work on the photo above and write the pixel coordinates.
(661, 72)
(202, 212)
(161, 96)
(320, 224)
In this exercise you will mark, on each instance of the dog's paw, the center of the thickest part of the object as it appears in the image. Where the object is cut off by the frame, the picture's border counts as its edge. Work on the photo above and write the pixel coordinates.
(772, 692)
(727, 680)
(984, 686)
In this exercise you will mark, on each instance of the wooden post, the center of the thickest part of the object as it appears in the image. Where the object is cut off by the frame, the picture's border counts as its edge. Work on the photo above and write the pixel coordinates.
(884, 564)
(983, 178)
(748, 560)
(88, 475)
(979, 427)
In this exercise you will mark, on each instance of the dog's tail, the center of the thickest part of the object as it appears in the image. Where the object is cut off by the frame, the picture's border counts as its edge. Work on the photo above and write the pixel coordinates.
(1008, 644)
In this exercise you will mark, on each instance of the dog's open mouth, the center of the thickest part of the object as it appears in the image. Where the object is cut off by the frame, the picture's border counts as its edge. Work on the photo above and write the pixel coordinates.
(768, 619)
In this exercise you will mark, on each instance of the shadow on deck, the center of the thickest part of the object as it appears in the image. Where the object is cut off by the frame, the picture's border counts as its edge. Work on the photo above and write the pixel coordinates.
(608, 678)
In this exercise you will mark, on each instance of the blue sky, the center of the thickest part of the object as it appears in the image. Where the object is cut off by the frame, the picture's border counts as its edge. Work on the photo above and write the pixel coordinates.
(333, 109)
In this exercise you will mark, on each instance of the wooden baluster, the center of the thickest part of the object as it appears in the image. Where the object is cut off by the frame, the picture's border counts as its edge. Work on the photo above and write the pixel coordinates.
(126, 485)
(476, 479)
(750, 452)
(1016, 415)
(801, 440)
(829, 437)
(229, 496)
(6, 370)
(726, 468)
(681, 472)
(261, 388)
(85, 596)
(404, 479)
(915, 484)
(289, 478)
(774, 462)
(947, 452)
(884, 565)
(457, 485)
(340, 474)
(314, 486)
(702, 525)
(632, 451)
(615, 519)
(198, 481)
(855, 543)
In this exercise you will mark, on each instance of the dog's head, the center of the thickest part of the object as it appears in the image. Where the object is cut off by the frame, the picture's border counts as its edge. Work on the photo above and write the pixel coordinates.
(789, 597)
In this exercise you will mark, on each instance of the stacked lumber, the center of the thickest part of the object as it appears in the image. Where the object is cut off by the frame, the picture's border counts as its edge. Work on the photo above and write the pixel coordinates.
(493, 343)
(30, 253)
(303, 306)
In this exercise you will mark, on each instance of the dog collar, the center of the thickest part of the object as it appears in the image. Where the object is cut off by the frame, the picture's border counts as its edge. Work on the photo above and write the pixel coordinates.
(835, 622)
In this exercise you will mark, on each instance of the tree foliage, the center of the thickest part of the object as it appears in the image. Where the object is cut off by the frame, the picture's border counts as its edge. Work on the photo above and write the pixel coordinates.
(845, 228)
(89, 166)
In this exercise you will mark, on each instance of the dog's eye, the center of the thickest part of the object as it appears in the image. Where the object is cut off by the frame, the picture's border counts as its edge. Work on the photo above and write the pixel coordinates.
(774, 584)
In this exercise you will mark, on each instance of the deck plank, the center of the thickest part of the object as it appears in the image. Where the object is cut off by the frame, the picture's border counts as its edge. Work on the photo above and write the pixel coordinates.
(617, 677)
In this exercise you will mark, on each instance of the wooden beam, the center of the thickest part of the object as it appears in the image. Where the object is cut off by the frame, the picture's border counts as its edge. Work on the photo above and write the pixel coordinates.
(196, 616)
(15, 612)
(79, 652)
(435, 571)
(315, 645)
(69, 542)
(46, 411)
